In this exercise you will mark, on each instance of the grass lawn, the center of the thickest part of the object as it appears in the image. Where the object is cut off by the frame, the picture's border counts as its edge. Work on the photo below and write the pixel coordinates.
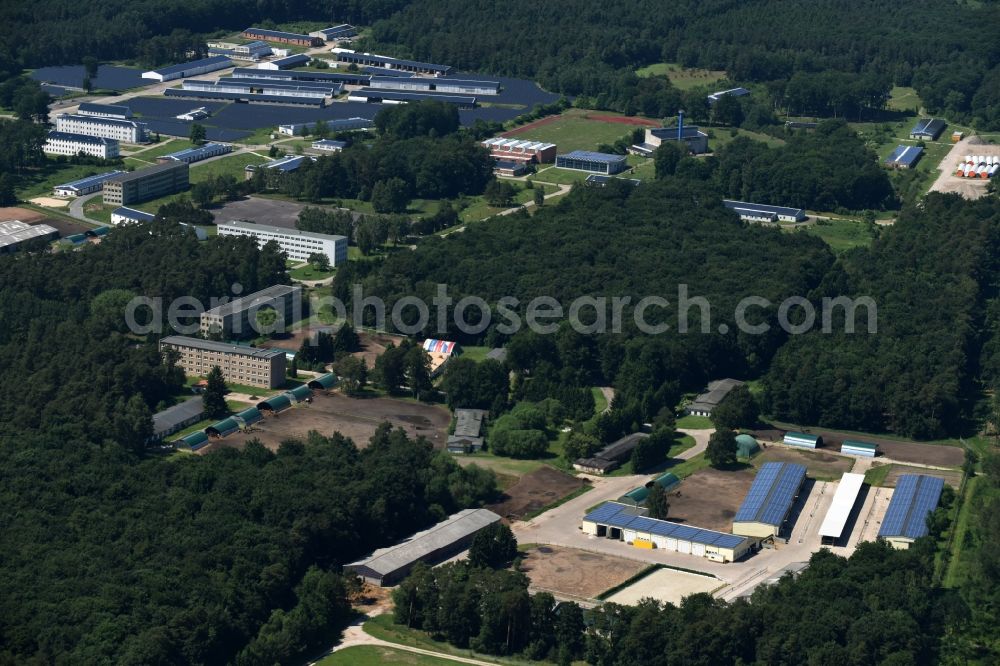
(97, 211)
(683, 78)
(573, 130)
(165, 147)
(695, 422)
(232, 165)
(560, 176)
(477, 208)
(976, 496)
(260, 137)
(310, 273)
(373, 655)
(840, 235)
(381, 626)
(720, 136)
(904, 99)
(600, 402)
(876, 475)
(39, 182)
(500, 465)
(475, 353)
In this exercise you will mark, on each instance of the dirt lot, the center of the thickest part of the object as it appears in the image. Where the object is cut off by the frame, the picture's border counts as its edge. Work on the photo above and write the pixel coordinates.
(576, 573)
(819, 465)
(356, 418)
(51, 202)
(257, 209)
(373, 345)
(947, 181)
(534, 491)
(22, 214)
(627, 120)
(665, 585)
(953, 479)
(709, 498)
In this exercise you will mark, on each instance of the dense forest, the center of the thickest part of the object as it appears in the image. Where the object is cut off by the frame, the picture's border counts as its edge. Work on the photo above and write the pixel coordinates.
(115, 555)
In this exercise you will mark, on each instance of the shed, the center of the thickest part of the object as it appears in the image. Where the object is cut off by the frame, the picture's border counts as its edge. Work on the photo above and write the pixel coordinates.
(176, 418)
(275, 404)
(803, 440)
(299, 393)
(856, 447)
(195, 440)
(843, 502)
(638, 496)
(746, 446)
(249, 416)
(323, 382)
(223, 428)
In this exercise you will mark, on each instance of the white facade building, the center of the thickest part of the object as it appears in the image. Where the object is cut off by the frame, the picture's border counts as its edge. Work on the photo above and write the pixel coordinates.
(298, 245)
(70, 143)
(126, 131)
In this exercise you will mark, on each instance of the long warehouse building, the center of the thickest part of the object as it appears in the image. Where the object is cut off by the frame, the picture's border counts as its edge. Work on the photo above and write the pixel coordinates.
(914, 499)
(372, 60)
(769, 500)
(630, 524)
(192, 68)
(831, 532)
(754, 212)
(388, 566)
(441, 85)
(376, 96)
(87, 185)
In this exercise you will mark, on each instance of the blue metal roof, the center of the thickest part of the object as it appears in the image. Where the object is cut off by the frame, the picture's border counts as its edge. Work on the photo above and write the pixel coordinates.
(928, 126)
(330, 87)
(341, 29)
(134, 214)
(213, 94)
(89, 180)
(594, 157)
(670, 133)
(184, 66)
(383, 71)
(772, 494)
(276, 33)
(82, 138)
(199, 153)
(395, 95)
(345, 56)
(330, 143)
(299, 75)
(915, 497)
(105, 108)
(905, 155)
(624, 517)
(764, 208)
(292, 60)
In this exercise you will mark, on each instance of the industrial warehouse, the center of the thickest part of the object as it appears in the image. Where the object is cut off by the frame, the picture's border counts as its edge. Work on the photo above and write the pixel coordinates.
(769, 501)
(716, 392)
(14, 233)
(298, 245)
(388, 566)
(592, 162)
(191, 155)
(333, 126)
(630, 524)
(611, 456)
(350, 57)
(753, 212)
(104, 111)
(441, 85)
(282, 37)
(377, 96)
(185, 69)
(87, 185)
(261, 91)
(915, 498)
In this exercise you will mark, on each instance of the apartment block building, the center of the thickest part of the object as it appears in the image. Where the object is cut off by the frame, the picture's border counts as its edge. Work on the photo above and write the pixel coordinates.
(251, 366)
(239, 318)
(145, 184)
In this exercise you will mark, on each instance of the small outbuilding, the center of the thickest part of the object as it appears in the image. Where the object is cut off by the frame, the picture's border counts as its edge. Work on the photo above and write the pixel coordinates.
(275, 404)
(746, 446)
(802, 440)
(854, 447)
(324, 382)
(224, 427)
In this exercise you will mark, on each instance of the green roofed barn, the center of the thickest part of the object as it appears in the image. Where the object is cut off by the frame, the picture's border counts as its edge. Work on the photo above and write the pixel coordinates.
(300, 393)
(323, 382)
(275, 404)
(249, 416)
(856, 447)
(637, 496)
(195, 440)
(223, 428)
(746, 446)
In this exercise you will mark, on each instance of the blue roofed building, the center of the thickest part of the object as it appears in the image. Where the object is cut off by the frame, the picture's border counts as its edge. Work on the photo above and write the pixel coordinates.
(336, 32)
(591, 162)
(630, 524)
(329, 145)
(754, 212)
(87, 185)
(104, 110)
(289, 62)
(732, 92)
(927, 129)
(125, 215)
(385, 62)
(333, 126)
(914, 499)
(185, 69)
(693, 139)
(197, 154)
(770, 499)
(380, 96)
(904, 157)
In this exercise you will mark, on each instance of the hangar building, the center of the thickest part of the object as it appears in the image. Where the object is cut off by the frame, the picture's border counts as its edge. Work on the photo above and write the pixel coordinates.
(832, 529)
(915, 498)
(769, 500)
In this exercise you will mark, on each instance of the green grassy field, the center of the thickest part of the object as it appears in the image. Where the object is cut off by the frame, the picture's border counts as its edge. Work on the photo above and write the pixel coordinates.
(600, 402)
(720, 136)
(381, 626)
(232, 165)
(166, 146)
(695, 422)
(374, 655)
(475, 353)
(39, 182)
(309, 273)
(573, 130)
(682, 77)
(876, 476)
(904, 99)
(840, 235)
(477, 208)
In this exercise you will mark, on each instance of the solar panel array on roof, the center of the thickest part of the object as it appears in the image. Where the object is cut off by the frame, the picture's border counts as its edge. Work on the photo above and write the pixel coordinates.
(772, 494)
(214, 61)
(371, 94)
(593, 156)
(915, 497)
(626, 517)
(263, 99)
(246, 83)
(904, 156)
(783, 211)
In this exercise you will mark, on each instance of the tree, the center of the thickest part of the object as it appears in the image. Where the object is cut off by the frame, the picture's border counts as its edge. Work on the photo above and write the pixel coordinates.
(90, 66)
(499, 193)
(197, 134)
(87, 84)
(737, 410)
(722, 448)
(353, 373)
(666, 157)
(657, 502)
(293, 369)
(390, 196)
(493, 547)
(7, 195)
(538, 196)
(214, 397)
(203, 194)
(580, 445)
(320, 261)
(321, 129)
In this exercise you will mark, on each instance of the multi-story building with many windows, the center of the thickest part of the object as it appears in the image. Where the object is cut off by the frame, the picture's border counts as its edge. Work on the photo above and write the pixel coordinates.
(67, 143)
(239, 318)
(250, 366)
(298, 245)
(126, 131)
(145, 184)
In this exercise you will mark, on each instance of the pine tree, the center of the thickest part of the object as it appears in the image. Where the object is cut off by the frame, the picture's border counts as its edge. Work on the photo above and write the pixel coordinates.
(657, 502)
(214, 398)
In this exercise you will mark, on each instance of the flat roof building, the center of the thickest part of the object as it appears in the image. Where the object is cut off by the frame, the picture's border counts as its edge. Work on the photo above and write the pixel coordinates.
(441, 85)
(238, 318)
(517, 150)
(334, 126)
(213, 94)
(186, 69)
(769, 500)
(145, 184)
(592, 162)
(377, 96)
(87, 185)
(832, 530)
(914, 499)
(717, 391)
(510, 169)
(630, 524)
(388, 566)
(754, 212)
(298, 245)
(386, 62)
(124, 215)
(468, 436)
(329, 145)
(104, 110)
(693, 138)
(904, 157)
(176, 418)
(927, 129)
(71, 143)
(345, 78)
(14, 233)
(250, 366)
(611, 456)
(282, 37)
(732, 92)
(190, 155)
(126, 131)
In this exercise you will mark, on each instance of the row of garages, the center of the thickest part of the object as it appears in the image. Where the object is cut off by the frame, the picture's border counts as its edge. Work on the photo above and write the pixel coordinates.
(248, 417)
